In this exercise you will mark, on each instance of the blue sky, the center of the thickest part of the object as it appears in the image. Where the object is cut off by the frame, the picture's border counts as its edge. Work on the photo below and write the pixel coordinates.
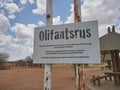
(19, 17)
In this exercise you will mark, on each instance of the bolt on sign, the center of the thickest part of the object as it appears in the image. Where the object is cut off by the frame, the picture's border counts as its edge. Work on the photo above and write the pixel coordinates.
(68, 43)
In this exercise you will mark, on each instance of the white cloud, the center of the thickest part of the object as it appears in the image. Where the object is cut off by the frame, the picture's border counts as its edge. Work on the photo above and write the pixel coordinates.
(4, 23)
(56, 20)
(24, 40)
(70, 19)
(105, 11)
(12, 8)
(25, 1)
(11, 16)
(4, 40)
(23, 32)
(7, 45)
(118, 24)
(31, 1)
(20, 46)
(2, 3)
(40, 23)
(18, 51)
(41, 7)
(103, 29)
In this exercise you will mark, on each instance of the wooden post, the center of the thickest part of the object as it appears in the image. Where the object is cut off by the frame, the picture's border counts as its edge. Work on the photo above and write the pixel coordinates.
(94, 82)
(77, 11)
(116, 65)
(98, 81)
(47, 68)
(79, 76)
(47, 77)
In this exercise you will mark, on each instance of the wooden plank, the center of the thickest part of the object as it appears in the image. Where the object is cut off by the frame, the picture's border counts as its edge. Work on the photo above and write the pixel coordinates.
(113, 73)
(47, 69)
(98, 78)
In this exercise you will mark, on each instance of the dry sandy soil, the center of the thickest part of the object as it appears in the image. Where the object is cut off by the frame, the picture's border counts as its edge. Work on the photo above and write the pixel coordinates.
(32, 78)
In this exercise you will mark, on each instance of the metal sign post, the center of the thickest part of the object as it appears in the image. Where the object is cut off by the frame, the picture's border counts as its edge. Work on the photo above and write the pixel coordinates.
(47, 68)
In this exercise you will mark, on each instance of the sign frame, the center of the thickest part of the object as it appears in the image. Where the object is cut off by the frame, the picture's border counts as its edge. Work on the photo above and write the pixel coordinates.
(50, 49)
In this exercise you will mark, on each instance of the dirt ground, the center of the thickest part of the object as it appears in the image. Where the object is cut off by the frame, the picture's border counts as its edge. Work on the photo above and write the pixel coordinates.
(32, 78)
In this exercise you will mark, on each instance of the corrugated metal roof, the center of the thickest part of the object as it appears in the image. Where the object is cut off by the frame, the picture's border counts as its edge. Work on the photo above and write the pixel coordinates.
(110, 41)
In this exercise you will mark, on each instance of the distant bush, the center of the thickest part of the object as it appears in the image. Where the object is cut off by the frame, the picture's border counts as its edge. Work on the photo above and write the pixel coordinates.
(3, 59)
(29, 61)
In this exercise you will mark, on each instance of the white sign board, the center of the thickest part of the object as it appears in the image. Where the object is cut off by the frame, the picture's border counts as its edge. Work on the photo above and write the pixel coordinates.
(69, 43)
